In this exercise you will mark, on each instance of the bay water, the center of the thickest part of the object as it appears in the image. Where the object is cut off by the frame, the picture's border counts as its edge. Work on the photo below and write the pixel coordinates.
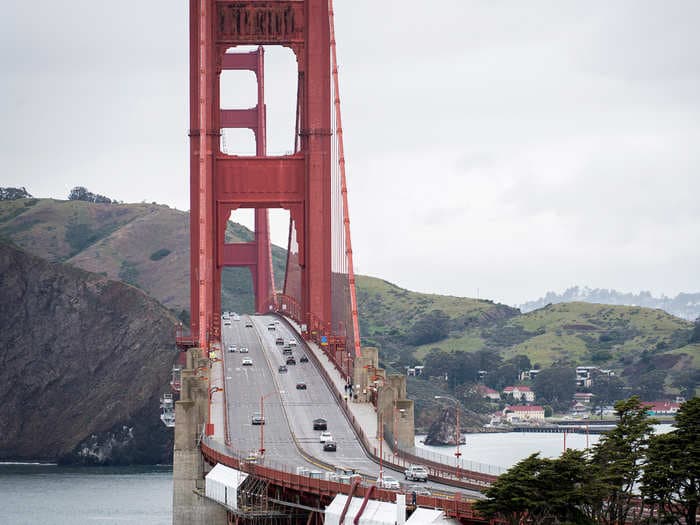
(57, 495)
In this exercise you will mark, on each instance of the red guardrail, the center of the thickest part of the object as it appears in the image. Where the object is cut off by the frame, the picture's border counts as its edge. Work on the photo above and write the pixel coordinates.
(461, 478)
(452, 507)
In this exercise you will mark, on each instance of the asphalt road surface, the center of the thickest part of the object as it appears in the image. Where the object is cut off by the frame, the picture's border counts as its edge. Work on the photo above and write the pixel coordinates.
(289, 438)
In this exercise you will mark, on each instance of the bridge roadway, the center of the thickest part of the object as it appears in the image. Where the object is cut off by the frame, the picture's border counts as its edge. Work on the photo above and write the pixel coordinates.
(289, 438)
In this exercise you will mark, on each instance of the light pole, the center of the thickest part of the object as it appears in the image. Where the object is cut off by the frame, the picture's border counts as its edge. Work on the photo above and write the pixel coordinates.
(210, 426)
(262, 416)
(458, 454)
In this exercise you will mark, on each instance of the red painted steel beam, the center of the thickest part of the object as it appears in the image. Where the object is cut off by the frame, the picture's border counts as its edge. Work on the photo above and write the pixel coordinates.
(240, 61)
(239, 118)
(262, 182)
(239, 254)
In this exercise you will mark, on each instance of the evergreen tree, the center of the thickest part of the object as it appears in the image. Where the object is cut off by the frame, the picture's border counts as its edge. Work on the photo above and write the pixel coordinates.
(616, 465)
(671, 481)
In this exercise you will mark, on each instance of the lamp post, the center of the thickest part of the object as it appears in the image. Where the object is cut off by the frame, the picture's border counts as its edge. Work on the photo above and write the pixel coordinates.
(210, 426)
(262, 415)
(458, 454)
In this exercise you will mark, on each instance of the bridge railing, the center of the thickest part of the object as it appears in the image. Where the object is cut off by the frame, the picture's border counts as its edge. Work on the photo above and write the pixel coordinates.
(285, 476)
(458, 477)
(315, 330)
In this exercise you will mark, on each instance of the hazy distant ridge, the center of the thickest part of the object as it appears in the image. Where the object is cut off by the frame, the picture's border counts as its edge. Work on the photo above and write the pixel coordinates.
(684, 305)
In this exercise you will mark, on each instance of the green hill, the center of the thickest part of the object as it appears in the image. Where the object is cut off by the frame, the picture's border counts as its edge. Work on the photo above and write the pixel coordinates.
(147, 245)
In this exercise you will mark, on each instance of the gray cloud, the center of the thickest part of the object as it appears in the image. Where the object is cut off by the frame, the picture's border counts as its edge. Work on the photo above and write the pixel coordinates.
(512, 147)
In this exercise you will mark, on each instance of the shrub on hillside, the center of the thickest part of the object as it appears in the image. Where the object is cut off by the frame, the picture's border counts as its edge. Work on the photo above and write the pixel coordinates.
(12, 194)
(159, 254)
(431, 327)
(81, 193)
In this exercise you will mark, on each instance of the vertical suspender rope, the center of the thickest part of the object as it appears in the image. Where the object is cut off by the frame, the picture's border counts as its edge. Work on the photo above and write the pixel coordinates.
(343, 186)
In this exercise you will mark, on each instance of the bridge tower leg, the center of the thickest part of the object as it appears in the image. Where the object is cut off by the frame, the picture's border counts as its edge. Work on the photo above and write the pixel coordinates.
(220, 183)
(255, 255)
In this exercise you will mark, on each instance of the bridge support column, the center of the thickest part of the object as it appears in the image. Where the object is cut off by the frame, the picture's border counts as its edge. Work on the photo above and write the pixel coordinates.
(190, 507)
(395, 412)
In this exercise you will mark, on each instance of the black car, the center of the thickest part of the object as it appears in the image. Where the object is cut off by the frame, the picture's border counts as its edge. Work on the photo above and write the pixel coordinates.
(329, 446)
(291, 360)
(301, 386)
(287, 351)
(304, 359)
(282, 368)
(320, 424)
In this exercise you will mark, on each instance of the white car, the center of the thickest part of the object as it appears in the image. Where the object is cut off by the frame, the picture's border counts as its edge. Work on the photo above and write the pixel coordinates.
(292, 342)
(325, 436)
(388, 482)
(244, 350)
(247, 362)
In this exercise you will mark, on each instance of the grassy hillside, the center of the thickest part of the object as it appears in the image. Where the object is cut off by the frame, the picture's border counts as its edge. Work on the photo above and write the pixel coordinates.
(388, 315)
(146, 245)
(596, 333)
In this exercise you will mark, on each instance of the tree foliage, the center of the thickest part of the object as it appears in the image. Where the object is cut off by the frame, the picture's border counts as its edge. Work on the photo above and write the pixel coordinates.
(80, 193)
(433, 326)
(603, 486)
(556, 386)
(695, 334)
(540, 490)
(12, 194)
(616, 464)
(671, 480)
(606, 389)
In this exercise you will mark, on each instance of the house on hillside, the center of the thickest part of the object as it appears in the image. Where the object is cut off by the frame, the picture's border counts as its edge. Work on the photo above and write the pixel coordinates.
(520, 393)
(529, 374)
(661, 408)
(583, 397)
(488, 393)
(523, 413)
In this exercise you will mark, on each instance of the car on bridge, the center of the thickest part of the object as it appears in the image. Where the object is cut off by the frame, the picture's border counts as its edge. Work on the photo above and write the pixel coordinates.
(325, 436)
(244, 350)
(320, 423)
(258, 419)
(304, 359)
(279, 341)
(416, 473)
(301, 386)
(388, 482)
(420, 490)
(287, 351)
(249, 324)
(330, 446)
(231, 348)
(282, 369)
(291, 360)
(247, 362)
(271, 327)
(292, 342)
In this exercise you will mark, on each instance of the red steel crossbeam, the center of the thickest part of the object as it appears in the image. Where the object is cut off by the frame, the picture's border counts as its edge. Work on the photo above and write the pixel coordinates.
(221, 183)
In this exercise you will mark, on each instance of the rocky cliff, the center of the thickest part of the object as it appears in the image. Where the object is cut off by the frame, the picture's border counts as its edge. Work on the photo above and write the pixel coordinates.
(443, 431)
(83, 361)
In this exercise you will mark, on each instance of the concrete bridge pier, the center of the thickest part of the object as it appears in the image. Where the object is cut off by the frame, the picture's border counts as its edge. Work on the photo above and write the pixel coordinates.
(190, 507)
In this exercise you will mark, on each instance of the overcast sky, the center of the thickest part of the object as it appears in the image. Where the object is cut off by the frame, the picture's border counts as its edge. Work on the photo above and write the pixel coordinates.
(506, 147)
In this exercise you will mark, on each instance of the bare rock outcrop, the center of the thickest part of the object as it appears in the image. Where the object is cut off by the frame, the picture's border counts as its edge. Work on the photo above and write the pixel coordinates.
(83, 360)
